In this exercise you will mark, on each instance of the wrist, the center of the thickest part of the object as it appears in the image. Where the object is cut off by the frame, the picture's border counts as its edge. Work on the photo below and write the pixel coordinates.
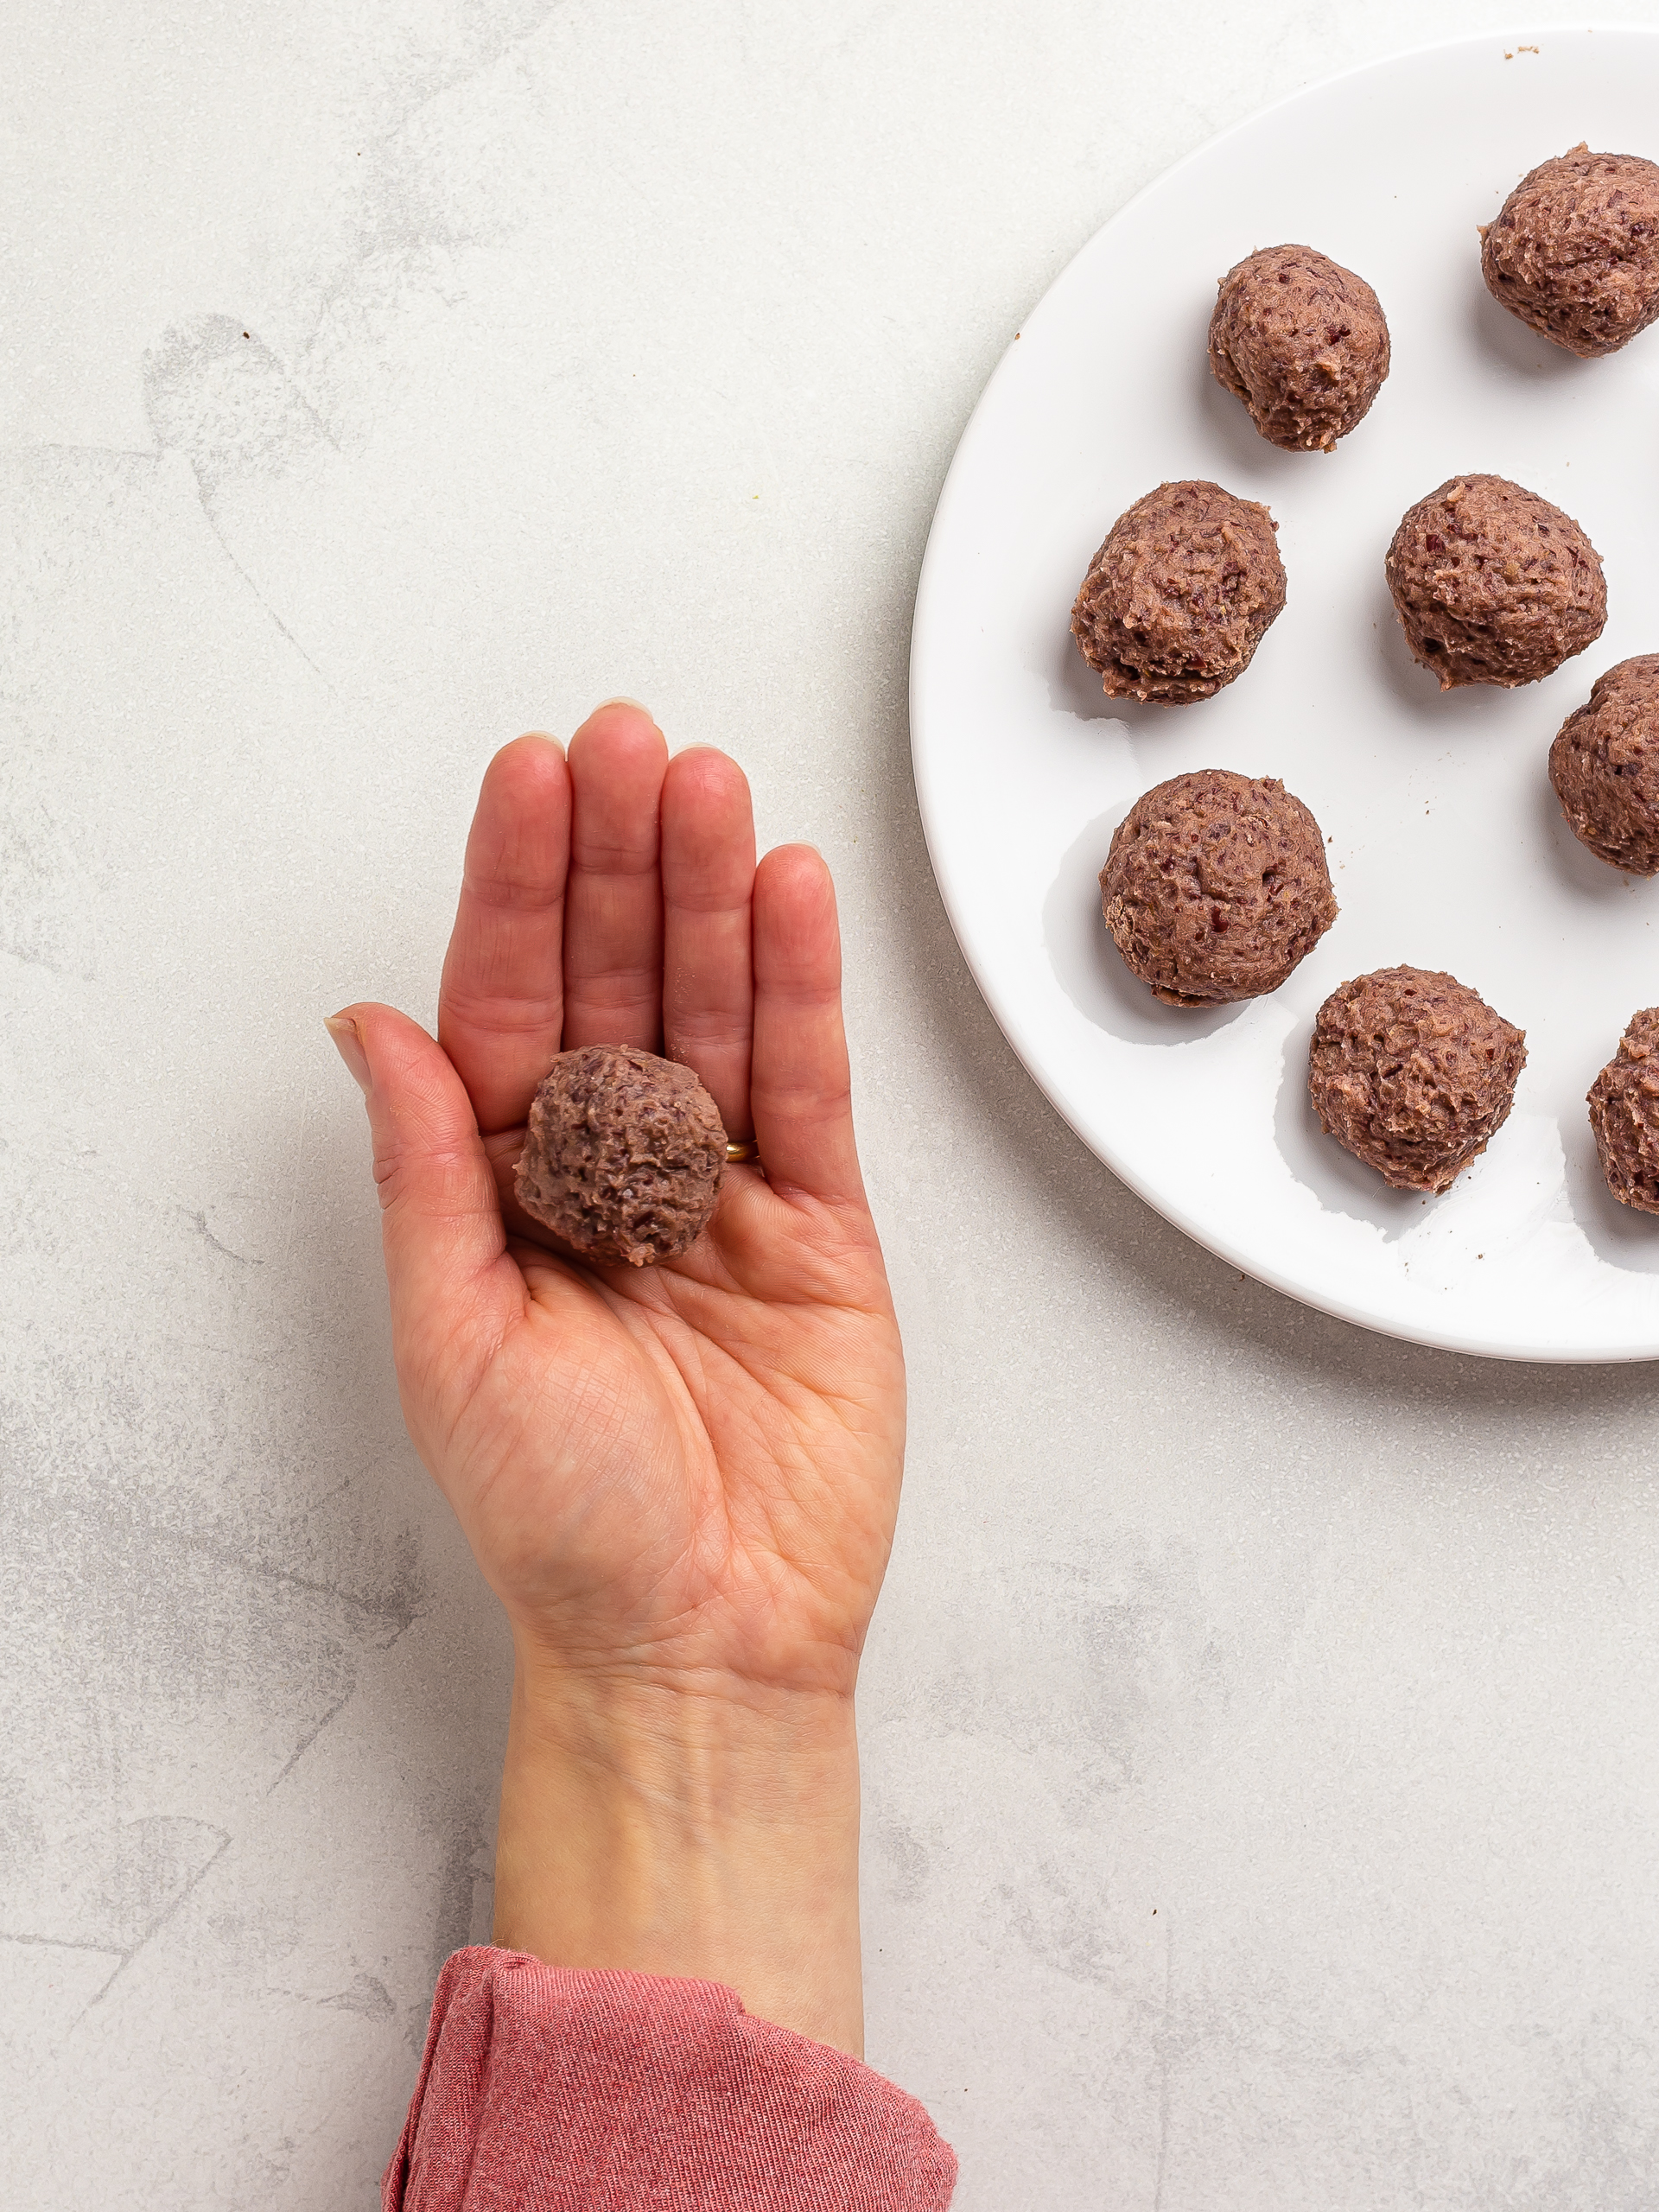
(704, 1830)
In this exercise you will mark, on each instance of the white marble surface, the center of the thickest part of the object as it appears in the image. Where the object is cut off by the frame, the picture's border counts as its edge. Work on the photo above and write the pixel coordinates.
(1263, 1788)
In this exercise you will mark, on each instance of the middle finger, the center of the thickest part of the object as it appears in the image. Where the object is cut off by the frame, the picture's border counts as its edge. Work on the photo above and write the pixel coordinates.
(614, 904)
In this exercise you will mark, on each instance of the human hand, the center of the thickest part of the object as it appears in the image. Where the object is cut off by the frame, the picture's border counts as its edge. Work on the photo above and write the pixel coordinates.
(681, 1481)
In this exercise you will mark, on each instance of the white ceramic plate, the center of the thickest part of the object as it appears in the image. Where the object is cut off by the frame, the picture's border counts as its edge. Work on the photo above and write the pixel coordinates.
(1448, 849)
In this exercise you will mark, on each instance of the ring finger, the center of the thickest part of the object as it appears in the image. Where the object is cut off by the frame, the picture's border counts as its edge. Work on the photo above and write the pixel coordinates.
(707, 862)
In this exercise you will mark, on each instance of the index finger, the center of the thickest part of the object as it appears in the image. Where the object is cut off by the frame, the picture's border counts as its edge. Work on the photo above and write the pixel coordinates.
(501, 1002)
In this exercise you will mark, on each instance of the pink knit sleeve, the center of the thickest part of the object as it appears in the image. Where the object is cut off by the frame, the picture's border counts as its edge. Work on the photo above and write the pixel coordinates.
(544, 2090)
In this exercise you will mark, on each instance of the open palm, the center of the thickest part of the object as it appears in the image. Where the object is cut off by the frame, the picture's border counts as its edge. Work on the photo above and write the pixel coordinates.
(686, 1474)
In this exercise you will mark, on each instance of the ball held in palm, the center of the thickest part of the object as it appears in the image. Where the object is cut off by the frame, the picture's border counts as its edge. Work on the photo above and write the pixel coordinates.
(623, 1156)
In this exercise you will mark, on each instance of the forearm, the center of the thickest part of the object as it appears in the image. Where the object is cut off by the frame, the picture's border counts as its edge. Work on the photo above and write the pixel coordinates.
(665, 1831)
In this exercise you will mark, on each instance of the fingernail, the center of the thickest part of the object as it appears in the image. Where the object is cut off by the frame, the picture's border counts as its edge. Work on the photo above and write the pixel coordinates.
(349, 1046)
(621, 700)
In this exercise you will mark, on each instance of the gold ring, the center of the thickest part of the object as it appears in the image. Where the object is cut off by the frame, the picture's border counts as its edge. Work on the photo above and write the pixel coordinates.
(745, 1150)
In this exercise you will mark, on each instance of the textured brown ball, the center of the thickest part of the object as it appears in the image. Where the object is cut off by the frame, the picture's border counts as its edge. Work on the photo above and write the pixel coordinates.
(623, 1156)
(1624, 1105)
(1413, 1072)
(1604, 766)
(1215, 887)
(1176, 601)
(1492, 584)
(1575, 250)
(1302, 341)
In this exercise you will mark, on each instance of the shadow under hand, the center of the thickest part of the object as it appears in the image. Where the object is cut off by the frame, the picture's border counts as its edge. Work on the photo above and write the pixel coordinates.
(1340, 1183)
(1090, 966)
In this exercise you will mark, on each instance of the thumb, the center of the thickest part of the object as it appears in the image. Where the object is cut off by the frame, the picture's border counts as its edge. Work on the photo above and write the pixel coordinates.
(454, 1290)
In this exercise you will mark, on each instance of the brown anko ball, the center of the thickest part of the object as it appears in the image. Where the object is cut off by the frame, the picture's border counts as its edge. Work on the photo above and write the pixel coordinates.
(1604, 766)
(1492, 584)
(1216, 887)
(1413, 1072)
(1302, 341)
(1177, 599)
(623, 1156)
(1575, 250)
(1623, 1103)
